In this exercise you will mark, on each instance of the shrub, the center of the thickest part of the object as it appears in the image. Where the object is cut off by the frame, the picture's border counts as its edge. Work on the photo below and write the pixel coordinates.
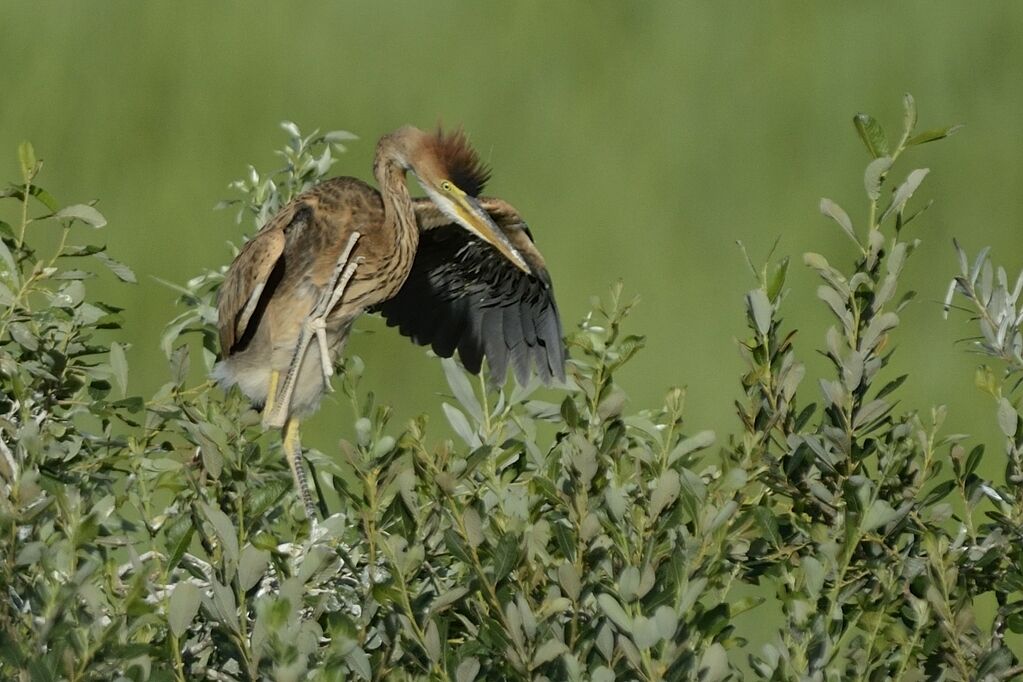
(555, 537)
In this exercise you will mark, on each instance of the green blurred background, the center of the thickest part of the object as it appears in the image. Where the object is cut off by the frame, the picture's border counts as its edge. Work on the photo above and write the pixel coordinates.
(640, 140)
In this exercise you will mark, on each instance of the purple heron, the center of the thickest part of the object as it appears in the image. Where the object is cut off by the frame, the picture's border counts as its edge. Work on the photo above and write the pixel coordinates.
(451, 270)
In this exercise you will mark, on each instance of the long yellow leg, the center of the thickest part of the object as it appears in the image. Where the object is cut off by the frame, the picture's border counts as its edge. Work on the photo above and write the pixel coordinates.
(293, 453)
(271, 395)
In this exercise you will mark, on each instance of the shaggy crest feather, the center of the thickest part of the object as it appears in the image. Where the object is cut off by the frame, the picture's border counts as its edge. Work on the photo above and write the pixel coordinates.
(462, 162)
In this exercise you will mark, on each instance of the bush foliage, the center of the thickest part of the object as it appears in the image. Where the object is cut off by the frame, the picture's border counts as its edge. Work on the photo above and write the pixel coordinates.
(556, 537)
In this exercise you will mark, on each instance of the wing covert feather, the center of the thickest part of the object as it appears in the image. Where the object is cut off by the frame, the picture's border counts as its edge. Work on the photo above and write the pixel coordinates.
(463, 295)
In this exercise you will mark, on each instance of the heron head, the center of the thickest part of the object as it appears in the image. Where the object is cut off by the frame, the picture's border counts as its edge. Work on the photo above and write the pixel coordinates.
(452, 174)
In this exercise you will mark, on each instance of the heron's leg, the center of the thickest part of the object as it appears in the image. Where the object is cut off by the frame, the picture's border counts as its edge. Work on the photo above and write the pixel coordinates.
(293, 453)
(271, 395)
(315, 324)
(319, 324)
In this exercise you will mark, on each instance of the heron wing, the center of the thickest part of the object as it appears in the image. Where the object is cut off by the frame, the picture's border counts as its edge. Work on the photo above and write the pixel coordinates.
(250, 280)
(463, 295)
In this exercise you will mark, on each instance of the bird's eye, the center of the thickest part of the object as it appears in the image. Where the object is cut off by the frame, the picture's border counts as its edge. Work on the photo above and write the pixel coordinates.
(446, 186)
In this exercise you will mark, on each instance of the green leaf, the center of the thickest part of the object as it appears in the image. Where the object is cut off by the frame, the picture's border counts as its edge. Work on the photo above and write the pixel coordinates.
(568, 578)
(904, 192)
(667, 622)
(506, 555)
(1007, 417)
(461, 426)
(613, 610)
(699, 441)
(467, 670)
(933, 135)
(473, 527)
(714, 664)
(226, 532)
(759, 309)
(27, 160)
(462, 389)
(183, 605)
(251, 566)
(872, 134)
(120, 270)
(87, 214)
(813, 575)
(548, 651)
(836, 213)
(448, 598)
(777, 282)
(880, 513)
(909, 115)
(665, 493)
(874, 176)
(119, 366)
(644, 632)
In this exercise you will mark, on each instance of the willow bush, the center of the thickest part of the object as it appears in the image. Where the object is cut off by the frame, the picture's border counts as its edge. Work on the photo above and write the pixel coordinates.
(556, 536)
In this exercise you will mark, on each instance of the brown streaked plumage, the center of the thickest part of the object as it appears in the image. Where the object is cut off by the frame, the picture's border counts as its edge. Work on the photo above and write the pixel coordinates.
(278, 290)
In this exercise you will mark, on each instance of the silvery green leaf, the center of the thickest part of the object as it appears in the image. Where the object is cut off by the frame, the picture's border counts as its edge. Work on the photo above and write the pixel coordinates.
(726, 512)
(10, 269)
(225, 530)
(119, 367)
(874, 176)
(836, 213)
(880, 513)
(462, 389)
(852, 370)
(690, 594)
(461, 426)
(833, 392)
(473, 527)
(182, 607)
(904, 192)
(628, 583)
(909, 117)
(339, 136)
(251, 566)
(667, 622)
(548, 651)
(120, 270)
(644, 632)
(813, 575)
(432, 641)
(1007, 417)
(225, 605)
(870, 412)
(698, 441)
(358, 661)
(603, 674)
(613, 610)
(87, 214)
(568, 578)
(759, 309)
(834, 301)
(290, 128)
(467, 670)
(878, 326)
(447, 598)
(714, 664)
(665, 493)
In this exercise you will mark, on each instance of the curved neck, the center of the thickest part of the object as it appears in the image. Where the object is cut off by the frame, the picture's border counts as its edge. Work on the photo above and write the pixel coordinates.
(399, 215)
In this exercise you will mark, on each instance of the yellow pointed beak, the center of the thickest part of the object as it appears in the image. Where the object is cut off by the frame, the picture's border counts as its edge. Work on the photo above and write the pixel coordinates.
(472, 216)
